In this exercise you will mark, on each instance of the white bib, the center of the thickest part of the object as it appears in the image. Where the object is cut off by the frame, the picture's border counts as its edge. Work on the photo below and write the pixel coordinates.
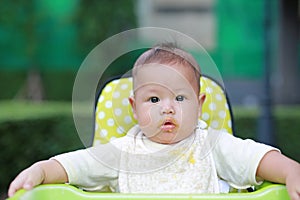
(180, 168)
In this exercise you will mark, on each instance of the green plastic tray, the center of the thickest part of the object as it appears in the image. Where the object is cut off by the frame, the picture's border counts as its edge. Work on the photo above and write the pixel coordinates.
(68, 192)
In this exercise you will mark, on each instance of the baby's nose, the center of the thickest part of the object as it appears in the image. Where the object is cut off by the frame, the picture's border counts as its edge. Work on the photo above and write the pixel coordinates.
(168, 108)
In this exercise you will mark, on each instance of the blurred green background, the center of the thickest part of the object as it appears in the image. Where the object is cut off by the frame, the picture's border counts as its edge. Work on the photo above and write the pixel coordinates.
(43, 43)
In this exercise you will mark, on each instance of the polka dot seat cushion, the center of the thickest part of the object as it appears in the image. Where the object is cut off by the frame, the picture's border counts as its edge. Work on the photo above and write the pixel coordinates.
(114, 115)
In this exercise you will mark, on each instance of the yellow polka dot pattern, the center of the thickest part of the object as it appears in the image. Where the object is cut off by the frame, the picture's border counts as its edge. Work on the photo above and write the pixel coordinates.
(114, 115)
(215, 109)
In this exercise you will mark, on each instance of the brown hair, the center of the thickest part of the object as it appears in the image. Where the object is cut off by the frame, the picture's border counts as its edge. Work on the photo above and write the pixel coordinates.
(168, 53)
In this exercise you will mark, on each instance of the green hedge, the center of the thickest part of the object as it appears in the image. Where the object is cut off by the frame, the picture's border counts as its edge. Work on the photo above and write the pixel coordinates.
(31, 132)
(285, 123)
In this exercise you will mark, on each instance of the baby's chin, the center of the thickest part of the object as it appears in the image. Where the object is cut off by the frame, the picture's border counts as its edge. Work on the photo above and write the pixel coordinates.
(166, 138)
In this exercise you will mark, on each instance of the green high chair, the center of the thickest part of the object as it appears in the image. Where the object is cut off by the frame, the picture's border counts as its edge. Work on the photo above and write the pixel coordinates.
(113, 118)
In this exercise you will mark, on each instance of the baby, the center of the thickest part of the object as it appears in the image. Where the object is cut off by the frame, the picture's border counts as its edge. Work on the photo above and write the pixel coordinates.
(170, 150)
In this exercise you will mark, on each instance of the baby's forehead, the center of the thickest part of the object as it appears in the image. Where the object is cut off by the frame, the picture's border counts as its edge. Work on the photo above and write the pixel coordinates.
(174, 68)
(164, 75)
(179, 68)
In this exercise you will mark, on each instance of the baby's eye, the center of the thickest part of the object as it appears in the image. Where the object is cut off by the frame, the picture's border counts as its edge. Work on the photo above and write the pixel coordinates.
(154, 99)
(180, 98)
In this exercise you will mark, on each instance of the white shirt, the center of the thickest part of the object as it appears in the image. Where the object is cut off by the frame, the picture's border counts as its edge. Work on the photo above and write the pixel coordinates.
(134, 164)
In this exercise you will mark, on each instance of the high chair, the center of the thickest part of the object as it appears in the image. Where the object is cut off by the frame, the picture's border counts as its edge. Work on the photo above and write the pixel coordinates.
(113, 118)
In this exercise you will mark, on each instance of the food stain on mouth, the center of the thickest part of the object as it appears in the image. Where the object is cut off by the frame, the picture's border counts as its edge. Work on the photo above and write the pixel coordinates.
(169, 125)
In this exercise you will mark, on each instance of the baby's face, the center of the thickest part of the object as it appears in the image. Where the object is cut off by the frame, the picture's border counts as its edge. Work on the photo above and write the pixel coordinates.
(166, 102)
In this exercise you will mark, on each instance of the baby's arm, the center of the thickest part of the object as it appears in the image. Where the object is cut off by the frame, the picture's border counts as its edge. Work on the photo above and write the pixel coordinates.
(278, 168)
(49, 171)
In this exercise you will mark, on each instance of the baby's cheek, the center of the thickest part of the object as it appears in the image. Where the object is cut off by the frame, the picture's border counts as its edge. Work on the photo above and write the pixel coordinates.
(148, 116)
(190, 115)
(144, 119)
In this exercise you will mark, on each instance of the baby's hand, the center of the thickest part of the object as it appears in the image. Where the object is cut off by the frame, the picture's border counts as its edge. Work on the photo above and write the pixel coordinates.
(27, 179)
(293, 183)
(48, 171)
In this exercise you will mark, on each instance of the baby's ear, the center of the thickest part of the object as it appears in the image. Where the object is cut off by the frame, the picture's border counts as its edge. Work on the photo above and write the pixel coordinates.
(202, 98)
(133, 106)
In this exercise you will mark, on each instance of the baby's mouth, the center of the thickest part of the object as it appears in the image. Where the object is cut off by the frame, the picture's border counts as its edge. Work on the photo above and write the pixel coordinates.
(168, 125)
